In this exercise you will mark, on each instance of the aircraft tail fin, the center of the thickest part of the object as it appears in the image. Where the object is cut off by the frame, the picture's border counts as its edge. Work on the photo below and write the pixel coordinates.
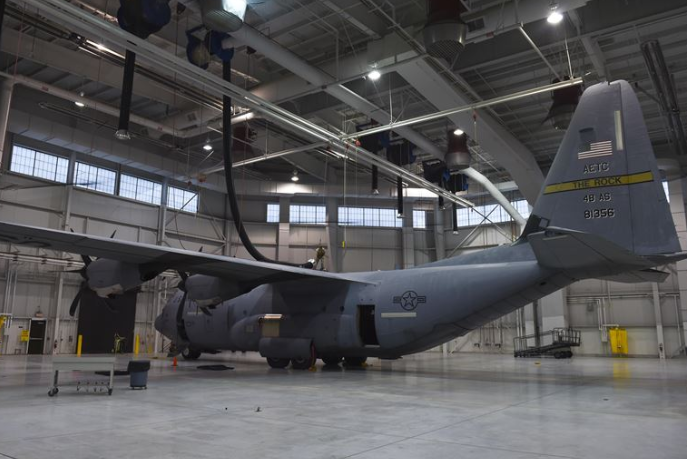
(603, 197)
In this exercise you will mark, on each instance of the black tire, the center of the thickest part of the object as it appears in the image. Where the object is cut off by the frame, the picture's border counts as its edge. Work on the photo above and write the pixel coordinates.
(302, 363)
(190, 354)
(331, 360)
(568, 354)
(278, 363)
(354, 361)
(558, 355)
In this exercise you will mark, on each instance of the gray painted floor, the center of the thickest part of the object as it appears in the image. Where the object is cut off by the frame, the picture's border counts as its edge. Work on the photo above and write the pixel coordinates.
(425, 406)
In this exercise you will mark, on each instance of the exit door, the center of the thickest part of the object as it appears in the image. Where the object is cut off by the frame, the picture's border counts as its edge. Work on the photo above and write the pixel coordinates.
(366, 324)
(37, 336)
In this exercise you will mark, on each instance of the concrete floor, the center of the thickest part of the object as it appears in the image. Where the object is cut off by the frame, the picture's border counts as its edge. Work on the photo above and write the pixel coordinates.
(425, 406)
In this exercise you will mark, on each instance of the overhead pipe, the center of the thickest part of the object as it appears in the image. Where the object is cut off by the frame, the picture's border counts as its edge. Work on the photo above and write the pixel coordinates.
(105, 108)
(89, 25)
(393, 126)
(665, 92)
(315, 76)
(538, 51)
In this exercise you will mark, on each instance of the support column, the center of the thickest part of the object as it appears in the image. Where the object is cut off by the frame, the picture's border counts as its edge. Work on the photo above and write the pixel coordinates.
(659, 322)
(439, 232)
(408, 236)
(553, 310)
(676, 189)
(284, 234)
(332, 235)
(162, 214)
(6, 90)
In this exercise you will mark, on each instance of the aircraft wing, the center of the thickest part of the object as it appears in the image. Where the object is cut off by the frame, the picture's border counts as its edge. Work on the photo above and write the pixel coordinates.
(160, 258)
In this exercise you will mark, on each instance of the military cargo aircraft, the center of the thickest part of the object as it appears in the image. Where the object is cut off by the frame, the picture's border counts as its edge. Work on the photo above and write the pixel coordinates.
(602, 213)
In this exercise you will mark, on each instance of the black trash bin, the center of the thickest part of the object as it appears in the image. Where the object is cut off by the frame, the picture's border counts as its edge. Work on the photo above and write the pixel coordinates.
(138, 374)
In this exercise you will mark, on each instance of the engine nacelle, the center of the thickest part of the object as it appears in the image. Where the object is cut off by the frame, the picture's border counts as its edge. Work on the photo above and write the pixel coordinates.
(110, 277)
(209, 290)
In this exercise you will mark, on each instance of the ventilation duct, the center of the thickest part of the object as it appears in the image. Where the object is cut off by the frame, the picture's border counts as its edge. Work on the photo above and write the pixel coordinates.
(223, 15)
(444, 32)
(457, 155)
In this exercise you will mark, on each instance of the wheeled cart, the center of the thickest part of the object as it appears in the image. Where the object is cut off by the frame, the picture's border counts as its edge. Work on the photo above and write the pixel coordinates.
(86, 364)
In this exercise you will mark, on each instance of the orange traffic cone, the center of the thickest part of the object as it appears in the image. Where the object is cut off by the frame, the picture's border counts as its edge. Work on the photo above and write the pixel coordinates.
(174, 362)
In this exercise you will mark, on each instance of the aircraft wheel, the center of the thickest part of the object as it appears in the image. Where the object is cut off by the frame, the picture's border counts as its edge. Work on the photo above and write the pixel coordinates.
(190, 354)
(329, 360)
(558, 355)
(302, 363)
(354, 361)
(278, 363)
(568, 354)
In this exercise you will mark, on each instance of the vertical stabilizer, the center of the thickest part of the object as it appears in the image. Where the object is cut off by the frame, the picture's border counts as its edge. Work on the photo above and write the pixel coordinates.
(604, 180)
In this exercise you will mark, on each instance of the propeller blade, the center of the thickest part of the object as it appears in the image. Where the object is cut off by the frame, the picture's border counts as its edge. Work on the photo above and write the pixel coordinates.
(181, 328)
(206, 311)
(86, 260)
(75, 302)
(113, 234)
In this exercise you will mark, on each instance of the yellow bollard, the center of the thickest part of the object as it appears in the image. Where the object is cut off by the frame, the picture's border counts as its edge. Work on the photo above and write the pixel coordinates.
(137, 344)
(79, 343)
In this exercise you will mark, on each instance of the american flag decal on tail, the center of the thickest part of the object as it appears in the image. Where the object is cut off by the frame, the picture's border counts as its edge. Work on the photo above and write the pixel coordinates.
(597, 149)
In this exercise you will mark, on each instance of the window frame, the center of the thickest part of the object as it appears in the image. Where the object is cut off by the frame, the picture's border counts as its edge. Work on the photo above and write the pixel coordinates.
(196, 197)
(61, 164)
(156, 189)
(98, 169)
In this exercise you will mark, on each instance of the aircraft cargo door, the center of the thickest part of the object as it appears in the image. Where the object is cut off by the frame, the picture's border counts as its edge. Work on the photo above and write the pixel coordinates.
(366, 324)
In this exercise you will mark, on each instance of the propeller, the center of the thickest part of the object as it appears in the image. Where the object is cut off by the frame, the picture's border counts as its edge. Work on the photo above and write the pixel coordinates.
(182, 286)
(83, 272)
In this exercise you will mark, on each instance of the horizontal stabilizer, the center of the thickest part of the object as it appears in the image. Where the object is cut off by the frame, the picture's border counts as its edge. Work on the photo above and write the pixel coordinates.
(588, 254)
(635, 277)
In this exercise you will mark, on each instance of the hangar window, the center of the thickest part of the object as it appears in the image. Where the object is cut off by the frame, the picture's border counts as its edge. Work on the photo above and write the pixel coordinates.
(494, 212)
(182, 200)
(140, 189)
(272, 213)
(310, 215)
(419, 219)
(95, 178)
(37, 164)
(369, 216)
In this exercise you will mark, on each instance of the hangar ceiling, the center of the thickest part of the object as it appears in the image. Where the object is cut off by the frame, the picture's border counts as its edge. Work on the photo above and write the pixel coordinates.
(345, 39)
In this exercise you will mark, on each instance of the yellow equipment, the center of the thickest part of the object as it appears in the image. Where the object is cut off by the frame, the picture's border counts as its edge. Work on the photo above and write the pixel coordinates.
(618, 340)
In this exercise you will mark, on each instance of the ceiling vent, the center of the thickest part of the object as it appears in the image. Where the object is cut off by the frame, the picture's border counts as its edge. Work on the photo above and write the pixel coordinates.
(444, 32)
(223, 15)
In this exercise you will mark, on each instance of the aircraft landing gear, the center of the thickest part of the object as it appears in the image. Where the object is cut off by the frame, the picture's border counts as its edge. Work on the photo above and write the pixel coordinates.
(353, 362)
(302, 363)
(278, 363)
(331, 360)
(190, 354)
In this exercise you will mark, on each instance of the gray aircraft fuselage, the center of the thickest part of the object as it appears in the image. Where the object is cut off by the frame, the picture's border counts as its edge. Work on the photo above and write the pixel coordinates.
(414, 309)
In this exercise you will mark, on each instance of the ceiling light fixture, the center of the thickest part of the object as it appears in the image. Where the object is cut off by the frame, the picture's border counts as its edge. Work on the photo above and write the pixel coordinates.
(79, 104)
(555, 16)
(458, 132)
(207, 146)
(294, 177)
(374, 75)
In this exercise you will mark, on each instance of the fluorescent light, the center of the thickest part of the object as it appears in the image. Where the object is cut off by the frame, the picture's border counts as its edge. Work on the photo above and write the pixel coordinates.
(207, 147)
(458, 131)
(555, 17)
(374, 75)
(294, 177)
(79, 104)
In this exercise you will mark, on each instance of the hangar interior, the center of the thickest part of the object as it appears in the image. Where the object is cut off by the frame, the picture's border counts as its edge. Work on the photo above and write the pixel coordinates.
(68, 163)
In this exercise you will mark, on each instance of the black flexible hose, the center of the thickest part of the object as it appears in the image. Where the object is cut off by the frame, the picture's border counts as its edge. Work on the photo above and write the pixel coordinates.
(229, 178)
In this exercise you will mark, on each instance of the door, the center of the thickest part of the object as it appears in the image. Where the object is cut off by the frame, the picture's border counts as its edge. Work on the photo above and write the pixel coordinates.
(366, 324)
(36, 336)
